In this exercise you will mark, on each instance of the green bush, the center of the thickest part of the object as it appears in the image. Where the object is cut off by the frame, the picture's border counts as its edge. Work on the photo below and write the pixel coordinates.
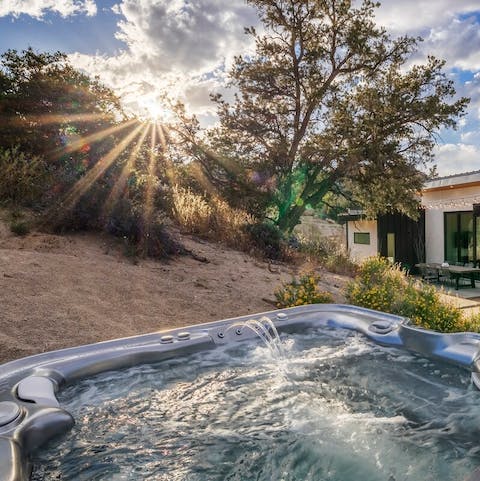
(19, 227)
(143, 237)
(83, 215)
(24, 179)
(423, 306)
(267, 238)
(385, 287)
(302, 291)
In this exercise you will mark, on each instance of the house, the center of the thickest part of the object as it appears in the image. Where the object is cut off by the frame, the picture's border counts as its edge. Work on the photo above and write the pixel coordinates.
(448, 227)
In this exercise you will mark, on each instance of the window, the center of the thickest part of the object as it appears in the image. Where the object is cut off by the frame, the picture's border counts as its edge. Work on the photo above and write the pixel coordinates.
(391, 246)
(460, 241)
(361, 238)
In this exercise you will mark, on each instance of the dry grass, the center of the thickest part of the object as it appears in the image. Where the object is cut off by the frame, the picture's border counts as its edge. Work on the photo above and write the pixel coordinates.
(212, 218)
(24, 179)
(328, 252)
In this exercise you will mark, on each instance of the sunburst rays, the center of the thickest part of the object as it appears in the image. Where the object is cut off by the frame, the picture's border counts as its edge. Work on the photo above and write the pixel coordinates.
(170, 171)
(150, 185)
(148, 146)
(139, 134)
(129, 166)
(55, 119)
(95, 137)
(83, 184)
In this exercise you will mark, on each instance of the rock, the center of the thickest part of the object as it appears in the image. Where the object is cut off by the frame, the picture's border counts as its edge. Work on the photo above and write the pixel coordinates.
(201, 283)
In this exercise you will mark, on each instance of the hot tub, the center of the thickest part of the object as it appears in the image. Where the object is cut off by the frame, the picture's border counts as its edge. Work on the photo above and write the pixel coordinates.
(354, 394)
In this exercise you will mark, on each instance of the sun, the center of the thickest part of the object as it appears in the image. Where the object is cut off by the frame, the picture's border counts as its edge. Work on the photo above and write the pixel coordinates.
(154, 110)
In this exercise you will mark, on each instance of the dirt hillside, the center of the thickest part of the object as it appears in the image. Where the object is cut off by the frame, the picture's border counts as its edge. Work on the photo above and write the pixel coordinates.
(61, 291)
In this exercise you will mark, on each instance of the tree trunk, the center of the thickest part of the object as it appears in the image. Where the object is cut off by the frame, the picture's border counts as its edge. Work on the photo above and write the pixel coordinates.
(291, 218)
(313, 194)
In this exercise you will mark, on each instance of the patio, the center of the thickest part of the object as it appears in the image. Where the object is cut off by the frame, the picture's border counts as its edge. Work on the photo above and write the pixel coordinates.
(466, 299)
(462, 295)
(449, 275)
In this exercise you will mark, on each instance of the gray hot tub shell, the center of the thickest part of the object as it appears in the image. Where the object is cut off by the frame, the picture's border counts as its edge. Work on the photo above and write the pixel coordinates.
(30, 413)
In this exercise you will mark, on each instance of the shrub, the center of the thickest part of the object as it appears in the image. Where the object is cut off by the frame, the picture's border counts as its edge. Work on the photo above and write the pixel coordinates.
(143, 237)
(82, 214)
(267, 238)
(19, 227)
(24, 178)
(328, 252)
(210, 217)
(340, 263)
(303, 291)
(229, 224)
(385, 287)
(191, 211)
(471, 323)
(423, 306)
(318, 247)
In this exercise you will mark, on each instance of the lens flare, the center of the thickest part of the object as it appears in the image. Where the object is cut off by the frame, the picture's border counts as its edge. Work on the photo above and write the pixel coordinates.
(100, 167)
(87, 140)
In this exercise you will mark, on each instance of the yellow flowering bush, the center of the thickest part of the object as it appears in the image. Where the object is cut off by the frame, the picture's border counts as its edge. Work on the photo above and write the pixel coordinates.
(302, 291)
(385, 287)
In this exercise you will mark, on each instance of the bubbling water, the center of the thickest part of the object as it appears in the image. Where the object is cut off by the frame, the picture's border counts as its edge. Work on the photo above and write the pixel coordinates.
(346, 410)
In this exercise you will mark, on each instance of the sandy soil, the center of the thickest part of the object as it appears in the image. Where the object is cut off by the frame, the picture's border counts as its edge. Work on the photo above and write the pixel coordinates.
(61, 291)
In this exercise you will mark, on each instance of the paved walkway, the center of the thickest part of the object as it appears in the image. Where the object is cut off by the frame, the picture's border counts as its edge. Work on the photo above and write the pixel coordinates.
(465, 298)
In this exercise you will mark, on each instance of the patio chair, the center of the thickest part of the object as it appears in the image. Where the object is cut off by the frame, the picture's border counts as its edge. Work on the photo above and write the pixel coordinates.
(428, 273)
(444, 276)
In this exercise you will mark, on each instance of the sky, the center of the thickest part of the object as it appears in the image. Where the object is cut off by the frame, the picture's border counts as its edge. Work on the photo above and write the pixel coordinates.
(142, 48)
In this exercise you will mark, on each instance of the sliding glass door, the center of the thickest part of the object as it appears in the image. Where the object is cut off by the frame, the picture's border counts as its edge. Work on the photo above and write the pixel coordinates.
(462, 237)
(476, 222)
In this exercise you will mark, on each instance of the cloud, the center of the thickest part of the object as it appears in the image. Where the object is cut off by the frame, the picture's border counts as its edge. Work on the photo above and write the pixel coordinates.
(38, 8)
(189, 37)
(470, 89)
(450, 30)
(419, 16)
(174, 46)
(458, 43)
(453, 158)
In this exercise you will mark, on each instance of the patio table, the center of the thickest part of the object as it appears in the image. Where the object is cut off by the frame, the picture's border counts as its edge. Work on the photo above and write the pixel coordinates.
(459, 271)
(456, 272)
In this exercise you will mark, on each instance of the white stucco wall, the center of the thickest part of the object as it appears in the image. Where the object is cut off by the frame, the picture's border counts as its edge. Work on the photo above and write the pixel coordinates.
(436, 203)
(361, 251)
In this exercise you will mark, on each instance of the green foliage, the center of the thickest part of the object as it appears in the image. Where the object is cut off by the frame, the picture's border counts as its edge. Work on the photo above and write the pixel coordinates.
(302, 291)
(326, 104)
(142, 237)
(24, 178)
(59, 123)
(72, 153)
(385, 287)
(423, 306)
(378, 285)
(46, 104)
(267, 238)
(20, 227)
